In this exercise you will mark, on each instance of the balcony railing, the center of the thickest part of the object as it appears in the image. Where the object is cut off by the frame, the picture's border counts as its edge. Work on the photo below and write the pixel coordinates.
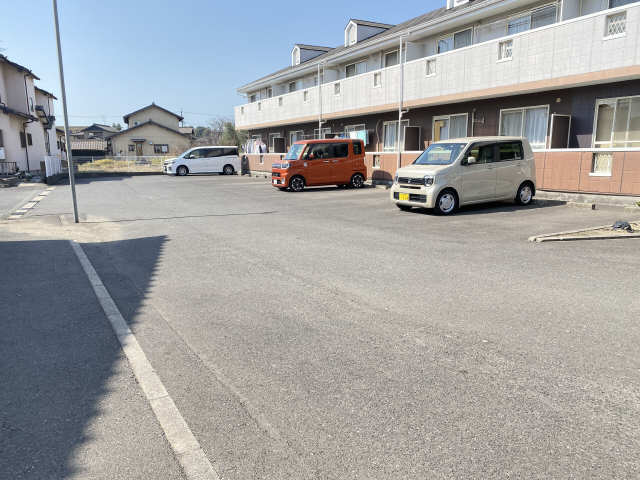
(538, 59)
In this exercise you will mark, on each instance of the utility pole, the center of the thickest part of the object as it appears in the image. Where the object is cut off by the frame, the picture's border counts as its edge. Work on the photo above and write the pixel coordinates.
(67, 137)
(319, 103)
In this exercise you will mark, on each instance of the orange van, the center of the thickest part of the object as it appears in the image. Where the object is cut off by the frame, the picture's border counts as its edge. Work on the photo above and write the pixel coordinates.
(321, 162)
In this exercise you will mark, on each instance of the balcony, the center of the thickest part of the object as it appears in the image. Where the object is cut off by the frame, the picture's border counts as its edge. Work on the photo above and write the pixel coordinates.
(580, 51)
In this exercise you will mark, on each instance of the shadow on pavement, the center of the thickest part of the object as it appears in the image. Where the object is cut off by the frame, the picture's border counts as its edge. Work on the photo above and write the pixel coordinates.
(495, 207)
(58, 355)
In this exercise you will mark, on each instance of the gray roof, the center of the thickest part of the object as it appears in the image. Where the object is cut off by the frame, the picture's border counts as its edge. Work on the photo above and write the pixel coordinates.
(313, 47)
(18, 67)
(153, 105)
(394, 29)
(367, 23)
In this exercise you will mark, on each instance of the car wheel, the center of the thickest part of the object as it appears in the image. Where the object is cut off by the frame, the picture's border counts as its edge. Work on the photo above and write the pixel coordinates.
(296, 184)
(182, 171)
(404, 208)
(228, 170)
(525, 194)
(447, 202)
(357, 180)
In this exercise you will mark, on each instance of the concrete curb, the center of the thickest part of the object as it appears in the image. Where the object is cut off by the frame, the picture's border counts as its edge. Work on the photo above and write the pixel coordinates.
(556, 236)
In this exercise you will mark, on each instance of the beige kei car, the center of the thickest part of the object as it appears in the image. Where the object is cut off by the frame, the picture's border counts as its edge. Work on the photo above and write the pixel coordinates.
(464, 171)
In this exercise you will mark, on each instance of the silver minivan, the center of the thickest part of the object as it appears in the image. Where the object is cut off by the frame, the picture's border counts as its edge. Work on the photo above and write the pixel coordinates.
(465, 171)
(210, 159)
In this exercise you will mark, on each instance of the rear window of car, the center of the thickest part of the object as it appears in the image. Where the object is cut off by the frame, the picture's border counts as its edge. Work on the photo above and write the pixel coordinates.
(357, 148)
(510, 151)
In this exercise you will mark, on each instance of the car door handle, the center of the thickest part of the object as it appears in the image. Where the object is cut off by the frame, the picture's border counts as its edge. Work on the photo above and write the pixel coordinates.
(335, 161)
(325, 161)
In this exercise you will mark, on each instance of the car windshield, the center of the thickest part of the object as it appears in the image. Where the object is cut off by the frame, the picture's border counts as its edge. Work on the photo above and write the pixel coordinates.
(440, 154)
(294, 151)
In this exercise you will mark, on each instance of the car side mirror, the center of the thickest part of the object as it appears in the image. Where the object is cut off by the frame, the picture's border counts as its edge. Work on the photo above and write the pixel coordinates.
(471, 160)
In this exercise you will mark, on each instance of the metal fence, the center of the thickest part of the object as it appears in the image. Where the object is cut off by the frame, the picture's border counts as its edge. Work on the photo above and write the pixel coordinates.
(8, 168)
(119, 163)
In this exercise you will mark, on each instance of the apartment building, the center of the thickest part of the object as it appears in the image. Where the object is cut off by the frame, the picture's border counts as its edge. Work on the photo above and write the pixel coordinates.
(27, 121)
(565, 74)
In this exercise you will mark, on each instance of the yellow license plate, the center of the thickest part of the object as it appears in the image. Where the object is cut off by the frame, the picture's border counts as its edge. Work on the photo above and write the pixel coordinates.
(403, 196)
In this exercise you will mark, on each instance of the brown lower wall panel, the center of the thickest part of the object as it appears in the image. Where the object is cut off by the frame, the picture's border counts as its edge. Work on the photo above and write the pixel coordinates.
(630, 184)
(566, 171)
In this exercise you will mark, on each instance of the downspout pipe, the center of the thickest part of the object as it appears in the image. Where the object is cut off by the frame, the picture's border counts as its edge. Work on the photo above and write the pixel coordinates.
(24, 124)
(401, 101)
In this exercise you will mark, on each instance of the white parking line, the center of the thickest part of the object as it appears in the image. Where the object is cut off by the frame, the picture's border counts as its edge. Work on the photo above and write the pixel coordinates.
(188, 451)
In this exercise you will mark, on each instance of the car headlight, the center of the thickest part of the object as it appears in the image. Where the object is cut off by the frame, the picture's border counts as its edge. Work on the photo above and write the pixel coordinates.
(428, 180)
(285, 165)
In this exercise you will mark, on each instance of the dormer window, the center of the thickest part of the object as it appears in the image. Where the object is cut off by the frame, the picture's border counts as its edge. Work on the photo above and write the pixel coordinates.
(351, 34)
(295, 56)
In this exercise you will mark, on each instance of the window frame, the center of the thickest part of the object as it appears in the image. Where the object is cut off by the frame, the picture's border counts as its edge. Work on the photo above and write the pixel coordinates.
(355, 66)
(160, 145)
(29, 140)
(305, 96)
(295, 85)
(336, 89)
(271, 137)
(131, 147)
(610, 36)
(500, 50)
(430, 61)
(614, 101)
(522, 126)
(323, 132)
(377, 74)
(269, 92)
(385, 126)
(291, 141)
(448, 118)
(387, 53)
(452, 35)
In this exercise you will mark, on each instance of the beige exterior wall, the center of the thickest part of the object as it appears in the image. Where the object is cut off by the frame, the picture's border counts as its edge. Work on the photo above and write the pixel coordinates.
(152, 135)
(155, 114)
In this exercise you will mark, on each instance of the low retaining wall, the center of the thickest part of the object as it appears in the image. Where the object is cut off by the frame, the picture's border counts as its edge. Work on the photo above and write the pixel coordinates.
(556, 170)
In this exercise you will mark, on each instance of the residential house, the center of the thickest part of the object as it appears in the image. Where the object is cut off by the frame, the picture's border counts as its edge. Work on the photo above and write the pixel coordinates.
(27, 121)
(95, 130)
(565, 74)
(151, 130)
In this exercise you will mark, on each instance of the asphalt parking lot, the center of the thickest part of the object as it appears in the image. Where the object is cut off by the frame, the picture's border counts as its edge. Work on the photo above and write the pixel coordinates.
(327, 334)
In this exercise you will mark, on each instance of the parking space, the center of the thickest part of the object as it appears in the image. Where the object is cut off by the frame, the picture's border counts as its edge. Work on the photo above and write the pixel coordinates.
(328, 334)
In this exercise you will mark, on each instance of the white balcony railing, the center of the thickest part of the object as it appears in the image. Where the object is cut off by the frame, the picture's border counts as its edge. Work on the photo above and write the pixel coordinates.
(574, 47)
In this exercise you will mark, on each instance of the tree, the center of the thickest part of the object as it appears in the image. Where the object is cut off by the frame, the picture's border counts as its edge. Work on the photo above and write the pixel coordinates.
(221, 131)
(117, 126)
(231, 136)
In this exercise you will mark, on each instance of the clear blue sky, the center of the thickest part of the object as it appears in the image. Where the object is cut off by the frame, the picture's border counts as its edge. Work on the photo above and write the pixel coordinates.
(187, 55)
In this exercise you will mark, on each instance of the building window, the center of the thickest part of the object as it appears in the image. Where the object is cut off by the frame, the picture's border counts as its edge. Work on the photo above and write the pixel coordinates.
(159, 148)
(449, 126)
(325, 132)
(241, 110)
(376, 161)
(23, 140)
(460, 39)
(336, 88)
(1, 140)
(272, 137)
(132, 148)
(390, 135)
(617, 122)
(269, 92)
(280, 101)
(528, 122)
(358, 131)
(601, 164)
(352, 36)
(295, 136)
(292, 87)
(431, 67)
(377, 79)
(259, 106)
(295, 56)
(505, 50)
(616, 24)
(306, 95)
(355, 69)
(253, 98)
(391, 59)
(31, 104)
(29, 139)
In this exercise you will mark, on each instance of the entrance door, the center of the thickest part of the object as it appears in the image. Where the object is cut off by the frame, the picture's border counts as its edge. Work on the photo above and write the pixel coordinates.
(318, 165)
(479, 178)
(138, 149)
